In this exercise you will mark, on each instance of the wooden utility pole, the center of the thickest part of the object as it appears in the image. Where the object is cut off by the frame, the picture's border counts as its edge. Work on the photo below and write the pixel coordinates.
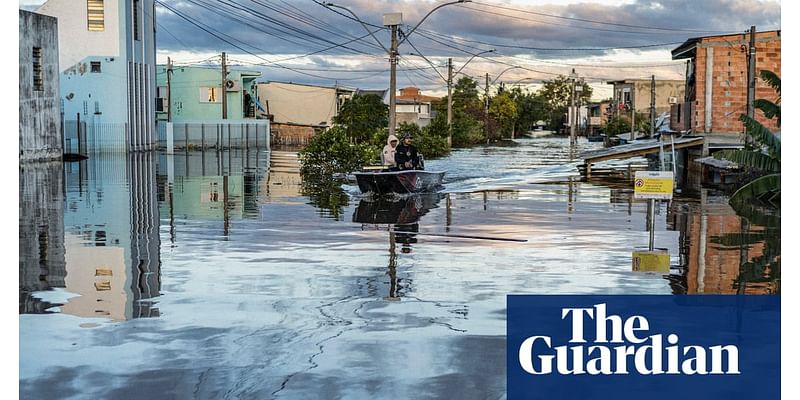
(224, 90)
(169, 89)
(633, 113)
(449, 102)
(393, 82)
(486, 109)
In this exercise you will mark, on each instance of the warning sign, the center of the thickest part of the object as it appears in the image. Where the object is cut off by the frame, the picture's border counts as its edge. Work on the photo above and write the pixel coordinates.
(650, 261)
(653, 185)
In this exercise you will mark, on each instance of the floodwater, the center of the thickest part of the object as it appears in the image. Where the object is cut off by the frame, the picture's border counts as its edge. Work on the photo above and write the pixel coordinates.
(223, 275)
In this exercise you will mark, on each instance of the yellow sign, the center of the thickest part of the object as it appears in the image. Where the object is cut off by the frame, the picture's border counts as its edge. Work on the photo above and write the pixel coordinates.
(653, 185)
(651, 261)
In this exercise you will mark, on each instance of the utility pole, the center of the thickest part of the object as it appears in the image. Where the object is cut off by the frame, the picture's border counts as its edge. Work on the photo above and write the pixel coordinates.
(572, 116)
(449, 102)
(633, 112)
(652, 105)
(169, 89)
(653, 121)
(224, 90)
(393, 82)
(751, 74)
(486, 109)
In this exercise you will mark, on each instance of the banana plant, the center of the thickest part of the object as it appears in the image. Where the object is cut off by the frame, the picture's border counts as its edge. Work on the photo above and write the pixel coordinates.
(766, 156)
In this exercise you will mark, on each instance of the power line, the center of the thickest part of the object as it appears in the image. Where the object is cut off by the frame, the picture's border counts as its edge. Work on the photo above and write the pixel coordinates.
(595, 21)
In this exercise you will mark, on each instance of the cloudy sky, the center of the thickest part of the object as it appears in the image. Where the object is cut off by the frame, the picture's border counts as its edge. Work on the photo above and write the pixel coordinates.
(303, 41)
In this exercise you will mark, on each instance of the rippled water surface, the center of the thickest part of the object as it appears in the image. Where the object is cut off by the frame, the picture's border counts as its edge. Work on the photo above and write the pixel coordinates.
(223, 275)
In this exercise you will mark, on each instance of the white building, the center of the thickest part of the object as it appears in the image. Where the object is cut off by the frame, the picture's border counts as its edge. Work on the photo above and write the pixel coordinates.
(107, 60)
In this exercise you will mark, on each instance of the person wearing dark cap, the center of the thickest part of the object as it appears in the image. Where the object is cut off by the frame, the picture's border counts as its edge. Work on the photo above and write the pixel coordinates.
(406, 155)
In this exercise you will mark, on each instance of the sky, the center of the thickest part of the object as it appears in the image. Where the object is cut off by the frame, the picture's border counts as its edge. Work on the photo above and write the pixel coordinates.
(303, 41)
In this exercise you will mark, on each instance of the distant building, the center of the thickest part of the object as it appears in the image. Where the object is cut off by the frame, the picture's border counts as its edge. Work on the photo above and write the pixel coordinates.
(635, 94)
(716, 83)
(107, 62)
(39, 106)
(296, 109)
(197, 93)
(414, 107)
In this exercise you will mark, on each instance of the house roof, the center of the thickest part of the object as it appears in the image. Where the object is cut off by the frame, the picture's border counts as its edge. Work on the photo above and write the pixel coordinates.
(342, 88)
(686, 50)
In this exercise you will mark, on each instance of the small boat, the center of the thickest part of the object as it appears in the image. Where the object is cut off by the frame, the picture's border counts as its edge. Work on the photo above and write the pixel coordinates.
(399, 182)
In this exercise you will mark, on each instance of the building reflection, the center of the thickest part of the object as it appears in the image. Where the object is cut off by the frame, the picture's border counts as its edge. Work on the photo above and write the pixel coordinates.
(212, 186)
(42, 265)
(111, 237)
(722, 251)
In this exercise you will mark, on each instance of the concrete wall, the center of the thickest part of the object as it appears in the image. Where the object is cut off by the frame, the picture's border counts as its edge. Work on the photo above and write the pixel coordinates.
(76, 40)
(122, 95)
(299, 104)
(39, 111)
(640, 92)
(728, 83)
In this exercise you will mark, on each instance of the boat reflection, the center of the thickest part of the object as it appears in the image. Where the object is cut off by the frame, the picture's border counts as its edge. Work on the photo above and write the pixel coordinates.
(401, 215)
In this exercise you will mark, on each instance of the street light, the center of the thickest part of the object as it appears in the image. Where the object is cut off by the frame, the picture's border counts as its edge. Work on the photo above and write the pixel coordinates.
(449, 81)
(393, 20)
(486, 99)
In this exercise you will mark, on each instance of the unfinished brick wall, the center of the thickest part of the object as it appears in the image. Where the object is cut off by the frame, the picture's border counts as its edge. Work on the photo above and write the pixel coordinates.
(729, 80)
(291, 134)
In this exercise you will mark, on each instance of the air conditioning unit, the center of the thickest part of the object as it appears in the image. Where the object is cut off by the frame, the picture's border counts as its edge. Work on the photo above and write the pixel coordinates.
(232, 85)
(673, 100)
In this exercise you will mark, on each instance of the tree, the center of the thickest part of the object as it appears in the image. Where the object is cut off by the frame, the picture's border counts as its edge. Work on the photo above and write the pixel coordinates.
(765, 157)
(503, 110)
(361, 116)
(330, 152)
(558, 92)
(530, 109)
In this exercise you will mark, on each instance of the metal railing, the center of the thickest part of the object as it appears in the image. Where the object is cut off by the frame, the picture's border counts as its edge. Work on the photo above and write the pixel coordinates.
(218, 134)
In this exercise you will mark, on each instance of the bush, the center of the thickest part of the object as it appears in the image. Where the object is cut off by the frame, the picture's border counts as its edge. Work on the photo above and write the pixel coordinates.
(330, 152)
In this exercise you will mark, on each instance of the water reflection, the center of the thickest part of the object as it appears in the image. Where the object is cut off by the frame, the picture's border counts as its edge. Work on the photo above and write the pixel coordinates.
(95, 224)
(725, 250)
(42, 265)
(402, 216)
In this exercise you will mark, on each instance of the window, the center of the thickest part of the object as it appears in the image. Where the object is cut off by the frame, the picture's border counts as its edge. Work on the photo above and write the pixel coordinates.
(38, 74)
(210, 95)
(95, 67)
(95, 14)
(136, 31)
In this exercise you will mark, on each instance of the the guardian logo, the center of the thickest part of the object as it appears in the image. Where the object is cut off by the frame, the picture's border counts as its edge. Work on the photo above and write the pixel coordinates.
(621, 346)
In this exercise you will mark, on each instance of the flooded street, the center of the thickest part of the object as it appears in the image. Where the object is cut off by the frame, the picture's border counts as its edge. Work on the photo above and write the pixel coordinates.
(223, 275)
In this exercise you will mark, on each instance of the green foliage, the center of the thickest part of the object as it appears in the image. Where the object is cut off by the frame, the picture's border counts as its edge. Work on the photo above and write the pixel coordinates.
(616, 126)
(465, 94)
(557, 93)
(361, 116)
(431, 140)
(764, 158)
(503, 110)
(330, 152)
(530, 109)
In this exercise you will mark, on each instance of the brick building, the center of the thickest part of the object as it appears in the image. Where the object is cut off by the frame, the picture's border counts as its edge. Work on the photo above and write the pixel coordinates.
(716, 83)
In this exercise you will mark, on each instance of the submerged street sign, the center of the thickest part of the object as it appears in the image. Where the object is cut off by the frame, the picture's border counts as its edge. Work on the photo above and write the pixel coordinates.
(650, 261)
(653, 185)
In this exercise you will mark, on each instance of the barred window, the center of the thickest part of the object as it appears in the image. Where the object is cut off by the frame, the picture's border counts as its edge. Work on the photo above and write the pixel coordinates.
(38, 74)
(136, 35)
(95, 15)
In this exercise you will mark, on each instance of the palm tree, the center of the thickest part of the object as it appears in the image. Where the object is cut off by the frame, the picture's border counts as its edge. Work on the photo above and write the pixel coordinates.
(765, 156)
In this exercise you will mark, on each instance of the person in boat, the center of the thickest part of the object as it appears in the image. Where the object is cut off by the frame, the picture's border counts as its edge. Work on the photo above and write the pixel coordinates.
(406, 155)
(387, 156)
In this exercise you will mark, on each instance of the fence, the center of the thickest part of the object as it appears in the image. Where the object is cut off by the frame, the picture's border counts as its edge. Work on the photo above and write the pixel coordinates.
(94, 137)
(219, 135)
